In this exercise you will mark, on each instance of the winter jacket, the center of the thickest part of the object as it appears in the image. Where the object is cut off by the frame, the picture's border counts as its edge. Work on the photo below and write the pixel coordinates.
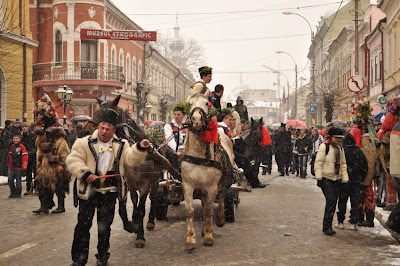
(395, 151)
(217, 101)
(303, 144)
(81, 163)
(355, 160)
(316, 142)
(241, 109)
(28, 140)
(356, 133)
(325, 165)
(6, 139)
(283, 142)
(18, 157)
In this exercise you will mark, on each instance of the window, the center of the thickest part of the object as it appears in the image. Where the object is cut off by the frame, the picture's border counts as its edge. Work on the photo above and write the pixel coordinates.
(134, 70)
(372, 71)
(380, 66)
(58, 46)
(395, 53)
(128, 74)
(390, 57)
(140, 71)
(89, 59)
(154, 117)
(376, 68)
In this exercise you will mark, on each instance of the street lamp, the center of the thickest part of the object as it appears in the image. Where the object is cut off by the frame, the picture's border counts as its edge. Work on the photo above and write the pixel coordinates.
(295, 92)
(147, 110)
(291, 13)
(65, 94)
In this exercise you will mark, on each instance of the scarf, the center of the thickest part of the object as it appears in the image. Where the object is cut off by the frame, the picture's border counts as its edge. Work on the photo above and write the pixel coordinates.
(337, 157)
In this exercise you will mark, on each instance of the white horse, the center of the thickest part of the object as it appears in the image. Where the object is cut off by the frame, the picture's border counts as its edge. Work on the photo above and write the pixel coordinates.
(203, 174)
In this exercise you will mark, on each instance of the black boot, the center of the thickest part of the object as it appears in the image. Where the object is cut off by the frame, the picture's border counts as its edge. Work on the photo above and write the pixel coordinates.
(102, 260)
(42, 208)
(370, 219)
(297, 172)
(60, 207)
(287, 171)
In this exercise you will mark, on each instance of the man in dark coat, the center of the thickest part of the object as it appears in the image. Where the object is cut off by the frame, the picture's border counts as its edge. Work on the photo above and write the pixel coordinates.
(217, 95)
(283, 150)
(241, 109)
(6, 142)
(28, 140)
(357, 170)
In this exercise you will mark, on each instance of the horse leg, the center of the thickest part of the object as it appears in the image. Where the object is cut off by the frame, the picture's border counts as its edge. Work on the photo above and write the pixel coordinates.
(208, 210)
(190, 238)
(220, 219)
(134, 198)
(128, 226)
(152, 214)
(141, 212)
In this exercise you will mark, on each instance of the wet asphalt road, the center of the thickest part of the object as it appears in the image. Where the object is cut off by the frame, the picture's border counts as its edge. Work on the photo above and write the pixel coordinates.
(288, 205)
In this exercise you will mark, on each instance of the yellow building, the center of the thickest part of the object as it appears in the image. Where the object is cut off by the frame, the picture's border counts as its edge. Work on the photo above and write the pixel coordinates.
(15, 61)
(391, 53)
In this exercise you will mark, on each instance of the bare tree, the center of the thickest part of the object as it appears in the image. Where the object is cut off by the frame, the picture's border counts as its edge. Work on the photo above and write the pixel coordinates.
(185, 53)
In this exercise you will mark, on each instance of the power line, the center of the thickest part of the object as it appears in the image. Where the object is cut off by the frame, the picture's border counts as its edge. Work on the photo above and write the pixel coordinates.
(231, 12)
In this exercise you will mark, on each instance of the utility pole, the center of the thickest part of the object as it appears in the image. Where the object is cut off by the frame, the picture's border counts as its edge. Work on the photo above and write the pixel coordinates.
(356, 36)
(295, 95)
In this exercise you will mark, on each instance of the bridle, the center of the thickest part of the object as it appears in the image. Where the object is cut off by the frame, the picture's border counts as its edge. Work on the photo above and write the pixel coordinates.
(203, 120)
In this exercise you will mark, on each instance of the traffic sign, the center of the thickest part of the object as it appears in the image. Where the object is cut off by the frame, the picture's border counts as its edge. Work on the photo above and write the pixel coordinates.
(313, 109)
(136, 35)
(355, 83)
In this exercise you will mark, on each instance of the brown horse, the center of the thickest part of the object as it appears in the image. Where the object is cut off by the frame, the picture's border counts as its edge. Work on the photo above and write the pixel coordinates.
(143, 179)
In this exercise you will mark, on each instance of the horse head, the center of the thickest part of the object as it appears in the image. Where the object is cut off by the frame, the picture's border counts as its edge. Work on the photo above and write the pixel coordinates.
(255, 135)
(104, 105)
(198, 111)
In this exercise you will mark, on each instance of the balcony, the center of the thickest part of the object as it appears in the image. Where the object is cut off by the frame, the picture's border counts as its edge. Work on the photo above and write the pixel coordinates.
(78, 73)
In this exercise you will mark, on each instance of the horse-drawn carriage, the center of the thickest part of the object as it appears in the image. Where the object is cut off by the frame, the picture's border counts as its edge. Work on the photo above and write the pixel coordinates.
(145, 179)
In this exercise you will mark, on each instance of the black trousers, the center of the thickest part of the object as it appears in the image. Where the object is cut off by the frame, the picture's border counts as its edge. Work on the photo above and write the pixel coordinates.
(351, 190)
(30, 172)
(313, 157)
(331, 190)
(105, 205)
(283, 160)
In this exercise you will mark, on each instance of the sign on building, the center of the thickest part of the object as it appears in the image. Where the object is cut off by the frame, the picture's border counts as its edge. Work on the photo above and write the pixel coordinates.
(119, 34)
(313, 109)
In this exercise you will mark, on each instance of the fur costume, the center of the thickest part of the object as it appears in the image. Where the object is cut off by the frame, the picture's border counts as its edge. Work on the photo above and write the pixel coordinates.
(52, 151)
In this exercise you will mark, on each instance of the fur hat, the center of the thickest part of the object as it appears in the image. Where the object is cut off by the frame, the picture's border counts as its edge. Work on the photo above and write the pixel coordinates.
(8, 122)
(110, 116)
(205, 70)
(336, 132)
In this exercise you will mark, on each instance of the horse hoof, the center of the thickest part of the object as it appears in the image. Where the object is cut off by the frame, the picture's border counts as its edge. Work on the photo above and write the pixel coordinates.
(208, 242)
(129, 227)
(190, 247)
(150, 226)
(139, 243)
(219, 224)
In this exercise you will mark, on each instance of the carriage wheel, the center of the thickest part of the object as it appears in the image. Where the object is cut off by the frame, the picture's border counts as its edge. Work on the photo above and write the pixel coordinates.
(161, 208)
(230, 206)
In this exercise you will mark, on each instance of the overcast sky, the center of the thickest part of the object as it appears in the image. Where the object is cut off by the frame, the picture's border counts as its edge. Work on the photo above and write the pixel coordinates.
(239, 41)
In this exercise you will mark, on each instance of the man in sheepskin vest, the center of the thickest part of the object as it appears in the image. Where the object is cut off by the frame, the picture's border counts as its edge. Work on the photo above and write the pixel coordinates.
(98, 162)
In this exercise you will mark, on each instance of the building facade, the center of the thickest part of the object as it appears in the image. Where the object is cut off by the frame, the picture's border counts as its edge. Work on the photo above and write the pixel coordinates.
(16, 46)
(102, 68)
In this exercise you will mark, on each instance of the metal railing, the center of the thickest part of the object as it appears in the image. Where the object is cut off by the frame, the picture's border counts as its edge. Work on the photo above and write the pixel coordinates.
(78, 71)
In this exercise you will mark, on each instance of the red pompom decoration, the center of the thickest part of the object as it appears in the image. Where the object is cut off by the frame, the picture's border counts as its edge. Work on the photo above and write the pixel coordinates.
(60, 103)
(53, 114)
(42, 99)
(211, 134)
(39, 122)
(34, 112)
(210, 104)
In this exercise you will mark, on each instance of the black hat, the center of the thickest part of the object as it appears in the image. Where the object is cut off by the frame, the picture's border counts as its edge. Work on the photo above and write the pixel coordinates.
(205, 70)
(18, 121)
(110, 116)
(336, 132)
(229, 105)
(7, 122)
(283, 125)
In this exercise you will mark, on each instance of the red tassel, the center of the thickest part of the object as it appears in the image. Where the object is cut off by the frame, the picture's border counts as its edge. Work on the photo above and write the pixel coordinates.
(266, 138)
(39, 122)
(210, 135)
(210, 104)
(35, 112)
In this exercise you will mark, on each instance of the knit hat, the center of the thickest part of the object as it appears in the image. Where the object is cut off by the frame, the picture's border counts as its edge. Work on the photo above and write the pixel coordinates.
(336, 132)
(7, 122)
(17, 121)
